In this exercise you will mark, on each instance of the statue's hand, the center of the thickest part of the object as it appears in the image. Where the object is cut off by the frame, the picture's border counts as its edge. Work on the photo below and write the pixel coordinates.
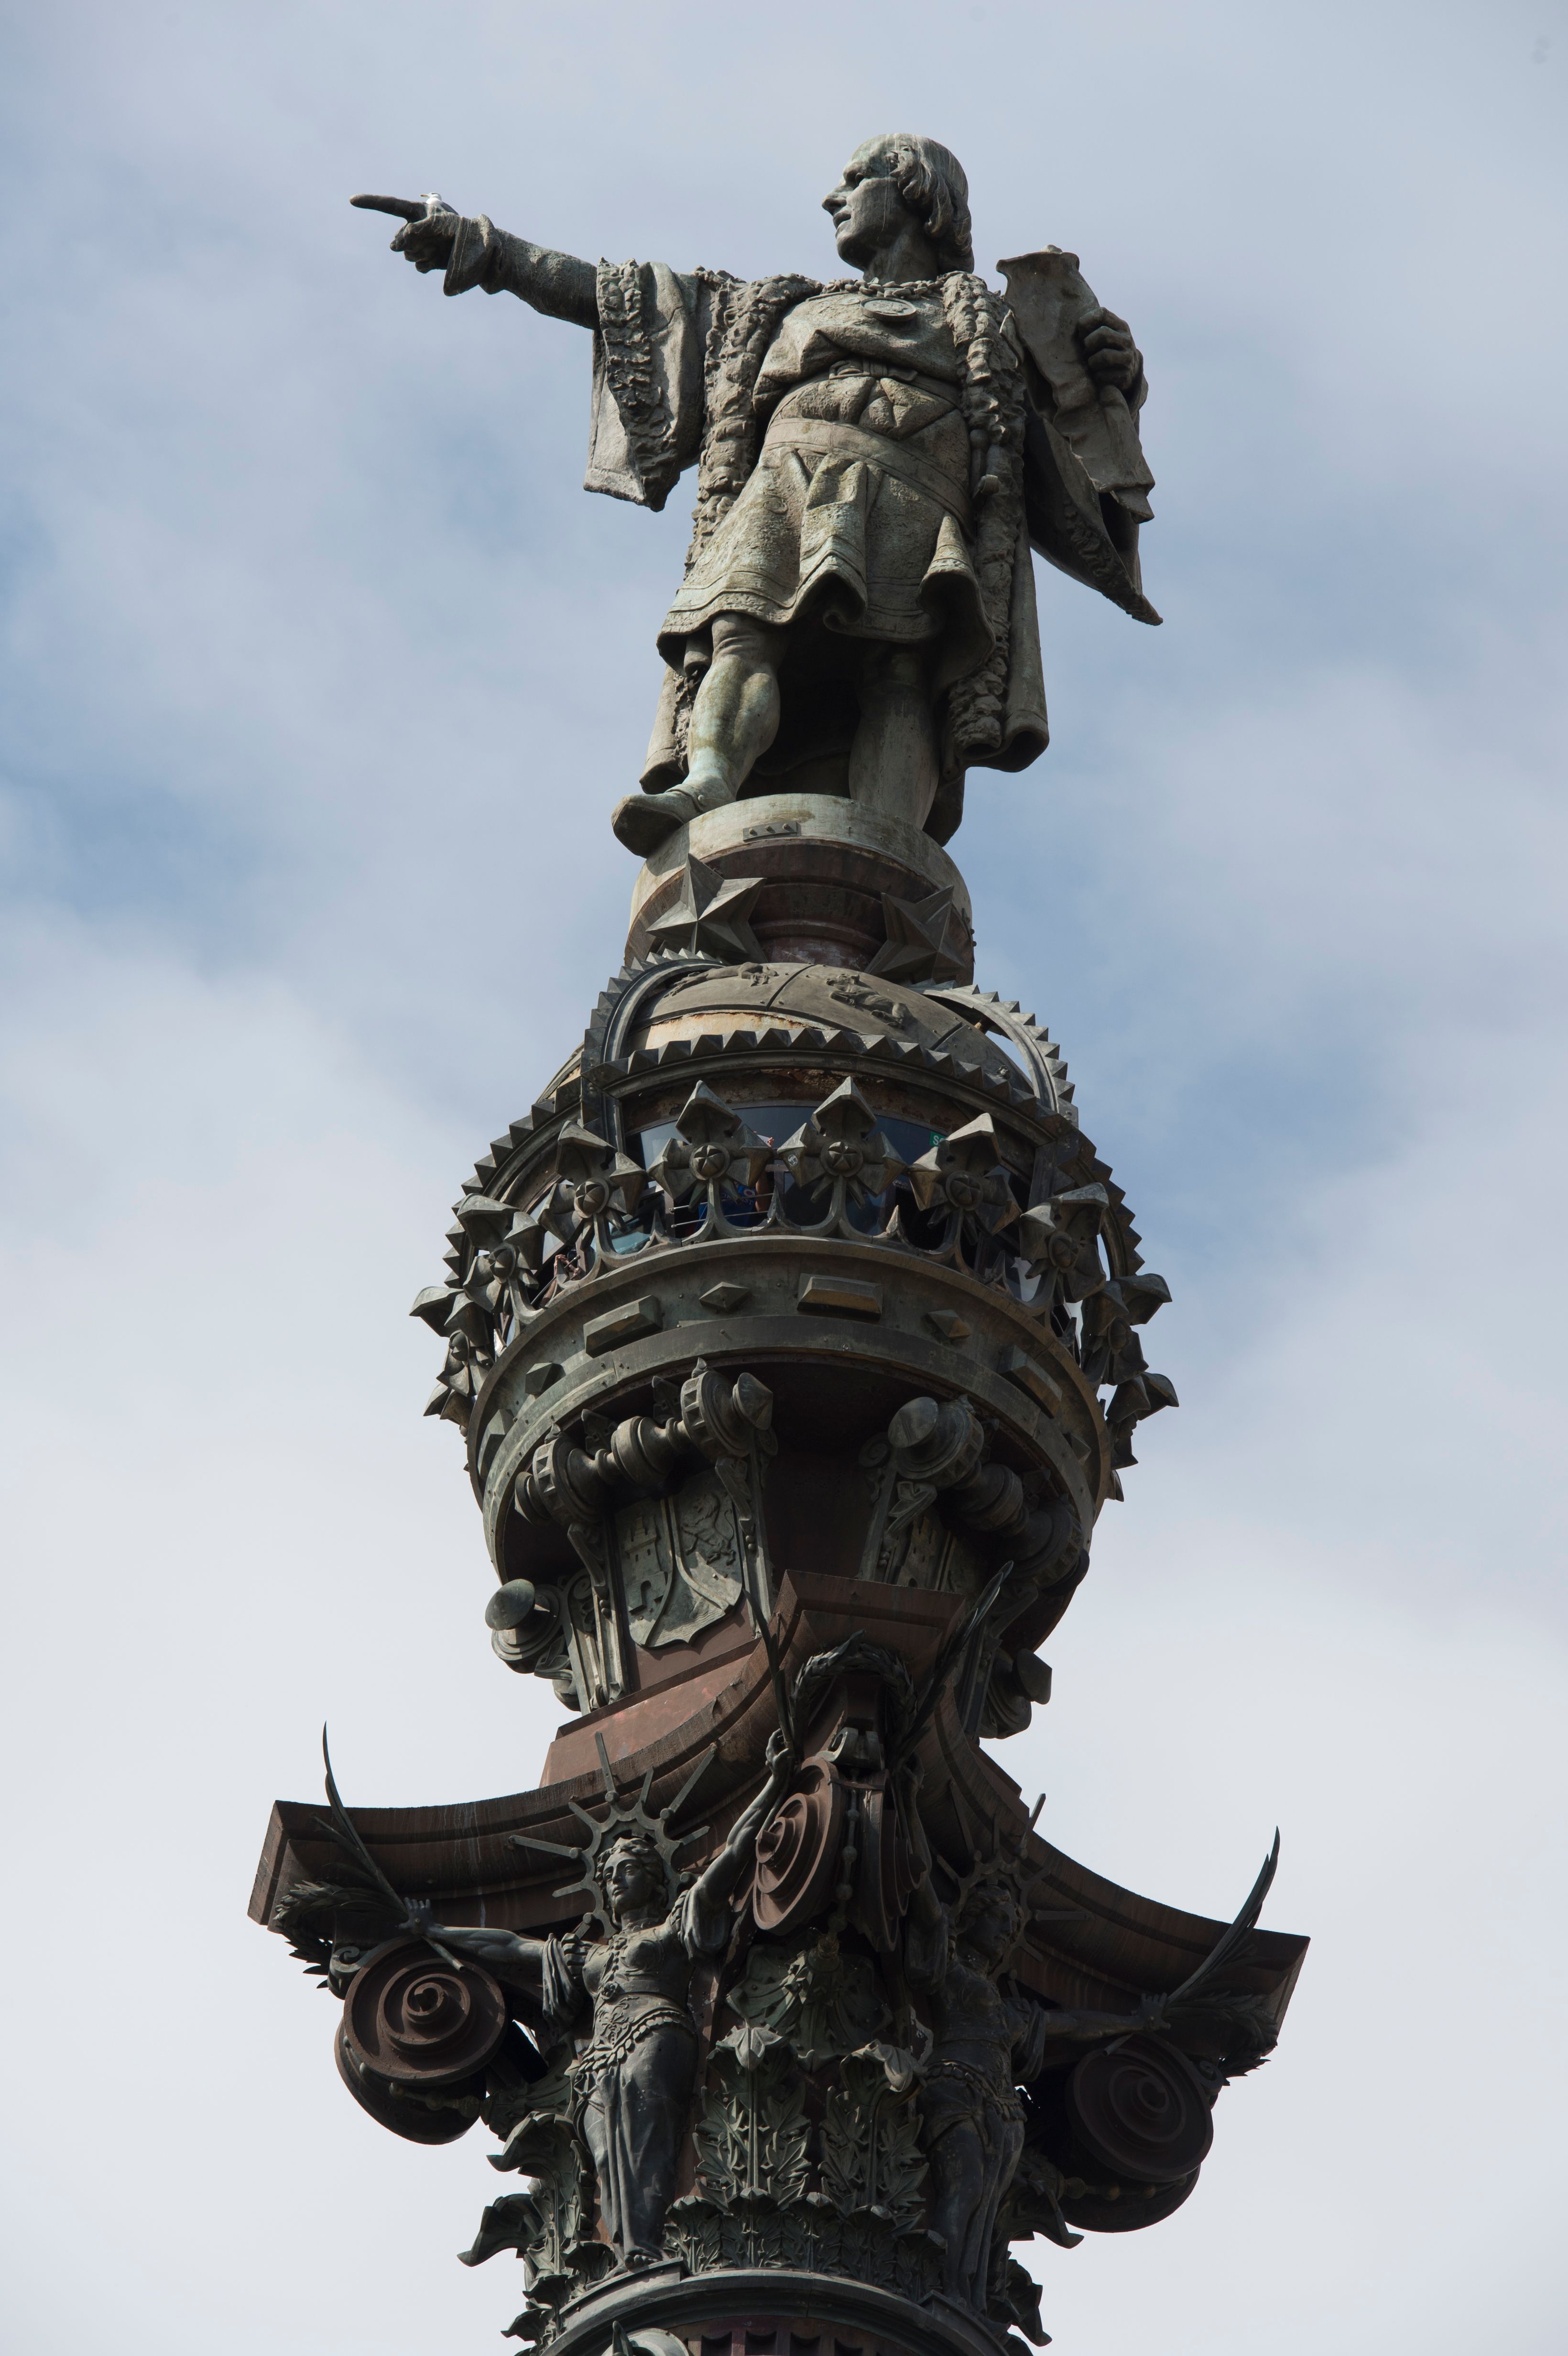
(429, 230)
(418, 1917)
(427, 243)
(780, 1755)
(1110, 354)
(1152, 2012)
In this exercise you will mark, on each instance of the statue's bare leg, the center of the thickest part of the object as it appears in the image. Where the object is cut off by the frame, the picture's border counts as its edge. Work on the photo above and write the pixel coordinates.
(733, 721)
(736, 716)
(893, 763)
(957, 2162)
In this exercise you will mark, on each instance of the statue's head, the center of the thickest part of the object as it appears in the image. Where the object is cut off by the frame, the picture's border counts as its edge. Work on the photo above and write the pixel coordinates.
(897, 176)
(633, 1877)
(989, 1922)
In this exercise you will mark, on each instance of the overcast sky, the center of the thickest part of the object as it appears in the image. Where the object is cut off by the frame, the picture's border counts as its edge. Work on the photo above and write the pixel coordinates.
(320, 676)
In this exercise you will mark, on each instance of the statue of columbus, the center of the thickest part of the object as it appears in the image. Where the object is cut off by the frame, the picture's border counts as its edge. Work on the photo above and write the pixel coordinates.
(875, 458)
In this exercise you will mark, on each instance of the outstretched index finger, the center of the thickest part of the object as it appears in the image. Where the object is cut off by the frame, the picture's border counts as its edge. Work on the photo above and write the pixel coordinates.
(409, 208)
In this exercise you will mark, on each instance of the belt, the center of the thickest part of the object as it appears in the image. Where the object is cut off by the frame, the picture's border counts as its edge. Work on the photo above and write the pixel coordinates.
(829, 439)
(1006, 2100)
(616, 2041)
(872, 371)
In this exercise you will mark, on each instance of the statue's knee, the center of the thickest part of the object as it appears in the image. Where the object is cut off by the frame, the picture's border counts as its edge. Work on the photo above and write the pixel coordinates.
(740, 637)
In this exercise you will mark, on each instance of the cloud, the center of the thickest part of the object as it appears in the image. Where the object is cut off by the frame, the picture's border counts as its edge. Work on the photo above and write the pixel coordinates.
(319, 678)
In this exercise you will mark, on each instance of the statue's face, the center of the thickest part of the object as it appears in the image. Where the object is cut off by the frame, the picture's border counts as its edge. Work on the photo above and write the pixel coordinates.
(866, 208)
(628, 1884)
(990, 1924)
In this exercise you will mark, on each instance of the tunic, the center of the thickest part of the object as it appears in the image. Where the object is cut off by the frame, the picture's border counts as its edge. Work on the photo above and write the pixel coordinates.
(858, 508)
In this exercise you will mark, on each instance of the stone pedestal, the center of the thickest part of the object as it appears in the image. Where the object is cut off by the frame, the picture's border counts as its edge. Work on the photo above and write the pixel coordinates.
(770, 2311)
(796, 1339)
(829, 869)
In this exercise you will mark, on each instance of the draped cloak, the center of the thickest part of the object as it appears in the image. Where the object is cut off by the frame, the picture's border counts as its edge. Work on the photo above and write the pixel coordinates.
(841, 484)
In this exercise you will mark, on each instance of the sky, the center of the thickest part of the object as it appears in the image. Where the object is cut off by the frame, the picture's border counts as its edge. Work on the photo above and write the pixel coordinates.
(319, 676)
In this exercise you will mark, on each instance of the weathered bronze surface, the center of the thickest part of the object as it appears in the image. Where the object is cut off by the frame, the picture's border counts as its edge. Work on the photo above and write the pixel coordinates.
(797, 1338)
(875, 459)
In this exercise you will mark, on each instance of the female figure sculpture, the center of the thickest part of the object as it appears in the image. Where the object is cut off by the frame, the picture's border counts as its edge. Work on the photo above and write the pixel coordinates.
(875, 458)
(633, 2078)
(987, 2043)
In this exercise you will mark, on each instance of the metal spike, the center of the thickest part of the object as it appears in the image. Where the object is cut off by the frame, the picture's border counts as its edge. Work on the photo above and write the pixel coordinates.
(691, 1782)
(550, 1848)
(961, 1809)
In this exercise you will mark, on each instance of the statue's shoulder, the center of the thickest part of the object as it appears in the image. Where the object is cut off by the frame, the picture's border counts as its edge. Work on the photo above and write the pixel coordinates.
(776, 295)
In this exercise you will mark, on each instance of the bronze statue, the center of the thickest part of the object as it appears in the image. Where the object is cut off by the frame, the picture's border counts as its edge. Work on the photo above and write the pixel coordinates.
(634, 2079)
(875, 458)
(989, 2043)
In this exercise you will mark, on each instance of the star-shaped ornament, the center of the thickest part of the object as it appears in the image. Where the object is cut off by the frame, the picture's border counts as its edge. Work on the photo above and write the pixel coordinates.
(927, 940)
(709, 914)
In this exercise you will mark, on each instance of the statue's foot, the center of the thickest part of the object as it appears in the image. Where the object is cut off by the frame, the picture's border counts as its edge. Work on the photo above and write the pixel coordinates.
(643, 820)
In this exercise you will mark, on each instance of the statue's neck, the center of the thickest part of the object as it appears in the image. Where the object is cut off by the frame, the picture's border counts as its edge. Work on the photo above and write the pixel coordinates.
(909, 254)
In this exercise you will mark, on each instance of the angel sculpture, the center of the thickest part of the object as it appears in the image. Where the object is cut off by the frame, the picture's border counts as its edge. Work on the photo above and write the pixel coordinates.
(632, 2081)
(875, 458)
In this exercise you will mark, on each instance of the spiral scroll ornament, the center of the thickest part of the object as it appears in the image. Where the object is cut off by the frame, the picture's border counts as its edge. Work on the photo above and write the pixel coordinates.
(797, 1851)
(417, 2117)
(421, 2022)
(1140, 2109)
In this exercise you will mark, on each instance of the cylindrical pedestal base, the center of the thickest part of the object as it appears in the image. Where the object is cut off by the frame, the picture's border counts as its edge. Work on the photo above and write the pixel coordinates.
(769, 2311)
(826, 865)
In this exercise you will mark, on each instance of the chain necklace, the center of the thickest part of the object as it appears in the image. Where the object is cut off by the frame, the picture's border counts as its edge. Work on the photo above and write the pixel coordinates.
(889, 290)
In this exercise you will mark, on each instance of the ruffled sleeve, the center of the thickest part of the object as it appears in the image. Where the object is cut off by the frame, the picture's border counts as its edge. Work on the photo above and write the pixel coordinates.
(645, 425)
